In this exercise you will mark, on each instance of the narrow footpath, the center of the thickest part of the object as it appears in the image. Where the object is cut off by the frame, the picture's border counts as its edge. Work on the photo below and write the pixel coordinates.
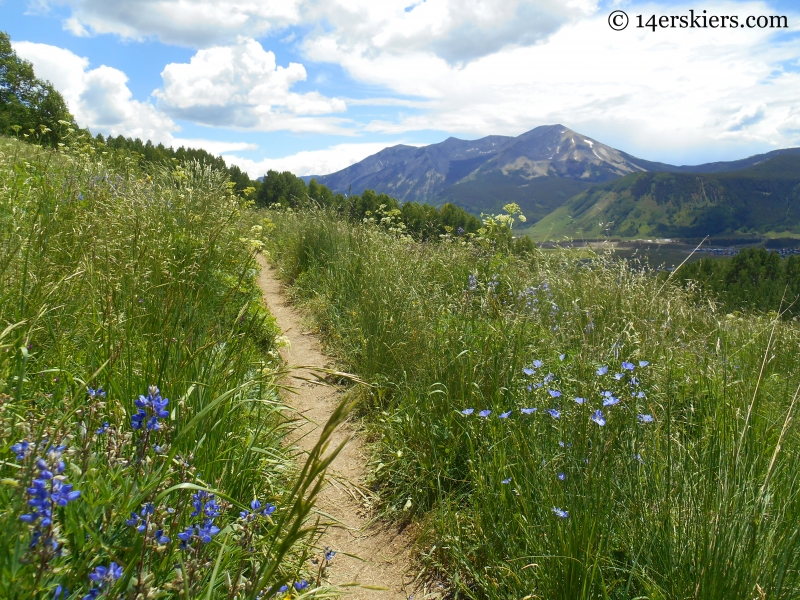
(368, 551)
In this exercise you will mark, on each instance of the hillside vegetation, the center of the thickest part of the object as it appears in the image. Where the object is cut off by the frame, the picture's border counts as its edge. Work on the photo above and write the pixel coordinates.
(764, 198)
(562, 429)
(139, 417)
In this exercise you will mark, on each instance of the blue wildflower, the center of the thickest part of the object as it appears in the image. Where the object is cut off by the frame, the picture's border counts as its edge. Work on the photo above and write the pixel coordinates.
(619, 376)
(467, 411)
(472, 283)
(643, 363)
(301, 585)
(506, 481)
(329, 554)
(606, 394)
(537, 364)
(505, 415)
(528, 371)
(548, 378)
(108, 574)
(561, 356)
(640, 395)
(611, 401)
(484, 413)
(628, 366)
(61, 593)
(152, 407)
(21, 449)
(639, 458)
(527, 411)
(103, 428)
(645, 418)
(580, 400)
(160, 538)
(556, 414)
(598, 418)
(204, 503)
(561, 514)
(554, 393)
(98, 393)
(562, 476)
(602, 371)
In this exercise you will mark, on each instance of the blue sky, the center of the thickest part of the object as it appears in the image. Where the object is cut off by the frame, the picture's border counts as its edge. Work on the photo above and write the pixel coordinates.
(315, 85)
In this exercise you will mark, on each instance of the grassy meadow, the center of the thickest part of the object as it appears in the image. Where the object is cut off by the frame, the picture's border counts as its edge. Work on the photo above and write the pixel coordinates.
(562, 428)
(140, 422)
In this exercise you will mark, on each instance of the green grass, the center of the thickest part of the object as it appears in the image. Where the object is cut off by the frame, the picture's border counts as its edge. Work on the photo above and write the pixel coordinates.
(701, 503)
(115, 277)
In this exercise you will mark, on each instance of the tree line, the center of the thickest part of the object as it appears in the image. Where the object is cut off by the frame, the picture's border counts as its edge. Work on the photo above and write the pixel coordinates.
(753, 280)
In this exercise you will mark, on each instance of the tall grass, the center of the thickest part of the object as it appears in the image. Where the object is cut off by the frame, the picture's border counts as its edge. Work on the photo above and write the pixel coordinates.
(681, 481)
(120, 288)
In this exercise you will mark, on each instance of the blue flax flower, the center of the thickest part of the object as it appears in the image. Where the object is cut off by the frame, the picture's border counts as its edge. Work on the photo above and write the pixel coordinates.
(484, 413)
(598, 418)
(602, 371)
(528, 371)
(467, 411)
(554, 393)
(527, 411)
(611, 401)
(504, 415)
(561, 356)
(628, 366)
(619, 376)
(562, 514)
(643, 363)
(556, 414)
(537, 364)
(562, 476)
(506, 481)
(580, 400)
(645, 418)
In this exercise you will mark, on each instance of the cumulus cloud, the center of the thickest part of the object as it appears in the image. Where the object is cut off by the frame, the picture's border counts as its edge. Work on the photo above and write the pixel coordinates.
(312, 162)
(98, 98)
(194, 23)
(242, 86)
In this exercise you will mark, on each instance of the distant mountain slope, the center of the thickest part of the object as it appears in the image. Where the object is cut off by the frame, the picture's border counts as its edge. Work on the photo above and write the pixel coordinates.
(764, 197)
(539, 170)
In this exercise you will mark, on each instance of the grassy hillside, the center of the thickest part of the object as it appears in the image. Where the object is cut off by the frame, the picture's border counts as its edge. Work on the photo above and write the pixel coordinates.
(764, 198)
(563, 429)
(138, 412)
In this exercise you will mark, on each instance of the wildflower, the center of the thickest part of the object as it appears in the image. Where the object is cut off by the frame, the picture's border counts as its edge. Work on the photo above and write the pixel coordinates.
(205, 504)
(548, 378)
(562, 476)
(108, 574)
(505, 414)
(98, 393)
(598, 417)
(554, 393)
(301, 585)
(506, 481)
(329, 554)
(160, 538)
(152, 407)
(556, 414)
(634, 382)
(643, 363)
(103, 428)
(472, 283)
(606, 394)
(467, 411)
(61, 593)
(602, 371)
(580, 400)
(611, 401)
(561, 514)
(561, 357)
(645, 418)
(21, 449)
(484, 413)
(527, 411)
(628, 366)
(257, 509)
(619, 376)
(640, 395)
(528, 371)
(638, 457)
(537, 364)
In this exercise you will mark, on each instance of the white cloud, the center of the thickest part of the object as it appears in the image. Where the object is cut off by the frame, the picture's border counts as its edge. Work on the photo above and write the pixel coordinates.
(194, 23)
(98, 98)
(242, 86)
(312, 162)
(213, 146)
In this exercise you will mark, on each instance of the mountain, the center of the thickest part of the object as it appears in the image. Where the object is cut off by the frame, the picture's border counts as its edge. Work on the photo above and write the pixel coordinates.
(539, 170)
(763, 197)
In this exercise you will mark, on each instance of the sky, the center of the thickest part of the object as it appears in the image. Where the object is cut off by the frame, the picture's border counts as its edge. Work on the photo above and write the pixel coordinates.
(312, 86)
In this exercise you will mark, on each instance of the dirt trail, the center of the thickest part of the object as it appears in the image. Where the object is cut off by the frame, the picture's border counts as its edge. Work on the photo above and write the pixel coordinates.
(368, 551)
